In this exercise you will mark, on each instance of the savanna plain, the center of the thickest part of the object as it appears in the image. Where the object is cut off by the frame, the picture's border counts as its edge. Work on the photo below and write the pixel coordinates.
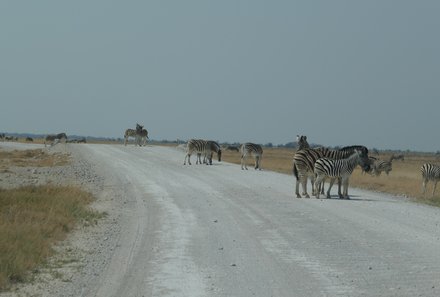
(35, 217)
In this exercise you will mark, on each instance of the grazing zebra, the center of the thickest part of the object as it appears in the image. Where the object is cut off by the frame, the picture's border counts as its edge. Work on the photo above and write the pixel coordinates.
(397, 157)
(29, 139)
(378, 166)
(213, 147)
(55, 138)
(304, 162)
(199, 146)
(254, 150)
(430, 172)
(133, 133)
(301, 141)
(341, 169)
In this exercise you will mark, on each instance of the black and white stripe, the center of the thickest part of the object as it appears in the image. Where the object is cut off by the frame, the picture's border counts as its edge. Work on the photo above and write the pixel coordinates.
(137, 134)
(304, 162)
(341, 169)
(251, 149)
(201, 147)
(430, 172)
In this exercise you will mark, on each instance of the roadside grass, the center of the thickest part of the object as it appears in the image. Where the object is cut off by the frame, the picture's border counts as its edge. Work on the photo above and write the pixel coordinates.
(404, 180)
(32, 158)
(34, 218)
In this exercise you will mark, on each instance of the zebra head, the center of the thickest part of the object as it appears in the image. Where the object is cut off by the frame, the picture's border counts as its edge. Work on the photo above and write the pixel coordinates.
(364, 160)
(139, 128)
(302, 142)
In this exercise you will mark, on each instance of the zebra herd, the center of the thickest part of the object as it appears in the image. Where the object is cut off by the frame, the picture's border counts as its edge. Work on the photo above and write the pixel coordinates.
(314, 163)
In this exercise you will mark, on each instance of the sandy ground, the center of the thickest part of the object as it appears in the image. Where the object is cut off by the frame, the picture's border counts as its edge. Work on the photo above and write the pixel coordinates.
(176, 230)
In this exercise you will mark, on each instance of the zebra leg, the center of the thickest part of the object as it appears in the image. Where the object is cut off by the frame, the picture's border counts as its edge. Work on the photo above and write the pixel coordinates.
(318, 181)
(345, 185)
(332, 181)
(257, 162)
(322, 187)
(243, 161)
(339, 188)
(297, 188)
(189, 159)
(425, 181)
(435, 185)
(304, 186)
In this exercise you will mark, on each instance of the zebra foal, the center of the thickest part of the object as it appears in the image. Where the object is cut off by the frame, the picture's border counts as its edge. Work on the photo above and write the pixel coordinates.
(430, 172)
(251, 149)
(341, 169)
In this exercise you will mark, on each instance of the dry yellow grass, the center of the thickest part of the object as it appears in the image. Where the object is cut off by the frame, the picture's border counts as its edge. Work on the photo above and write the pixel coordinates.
(32, 158)
(405, 178)
(32, 219)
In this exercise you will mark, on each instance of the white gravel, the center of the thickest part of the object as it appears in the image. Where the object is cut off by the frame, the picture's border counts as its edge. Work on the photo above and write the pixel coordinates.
(176, 230)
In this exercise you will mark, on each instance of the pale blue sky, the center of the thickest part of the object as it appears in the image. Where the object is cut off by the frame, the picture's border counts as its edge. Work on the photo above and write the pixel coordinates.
(340, 72)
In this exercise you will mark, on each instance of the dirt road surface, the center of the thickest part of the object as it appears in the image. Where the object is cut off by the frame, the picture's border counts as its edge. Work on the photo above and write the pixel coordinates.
(220, 231)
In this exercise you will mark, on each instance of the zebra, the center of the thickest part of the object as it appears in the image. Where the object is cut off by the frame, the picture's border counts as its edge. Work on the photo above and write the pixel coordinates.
(378, 166)
(199, 146)
(397, 157)
(133, 133)
(232, 148)
(55, 138)
(301, 141)
(143, 135)
(304, 162)
(213, 147)
(254, 150)
(430, 172)
(339, 168)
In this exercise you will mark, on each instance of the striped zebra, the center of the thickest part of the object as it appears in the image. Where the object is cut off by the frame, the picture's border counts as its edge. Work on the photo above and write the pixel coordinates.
(200, 147)
(430, 172)
(143, 136)
(304, 163)
(340, 169)
(251, 149)
(378, 166)
(133, 133)
(214, 147)
(301, 141)
(54, 138)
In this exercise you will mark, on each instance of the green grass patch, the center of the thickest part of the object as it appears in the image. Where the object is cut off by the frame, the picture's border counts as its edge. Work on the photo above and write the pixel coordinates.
(32, 219)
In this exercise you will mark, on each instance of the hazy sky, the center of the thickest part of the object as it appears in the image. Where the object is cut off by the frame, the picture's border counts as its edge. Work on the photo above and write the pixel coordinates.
(340, 72)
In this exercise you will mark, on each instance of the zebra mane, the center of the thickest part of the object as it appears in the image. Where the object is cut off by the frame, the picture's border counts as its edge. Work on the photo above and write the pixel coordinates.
(355, 147)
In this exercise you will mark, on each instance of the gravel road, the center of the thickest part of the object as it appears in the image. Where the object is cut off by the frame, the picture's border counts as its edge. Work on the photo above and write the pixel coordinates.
(176, 230)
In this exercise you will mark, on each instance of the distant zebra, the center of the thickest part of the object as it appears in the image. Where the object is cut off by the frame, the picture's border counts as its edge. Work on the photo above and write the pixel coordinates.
(29, 139)
(430, 172)
(232, 148)
(133, 133)
(254, 150)
(198, 146)
(378, 166)
(341, 169)
(2, 136)
(397, 157)
(143, 136)
(55, 138)
(301, 141)
(304, 163)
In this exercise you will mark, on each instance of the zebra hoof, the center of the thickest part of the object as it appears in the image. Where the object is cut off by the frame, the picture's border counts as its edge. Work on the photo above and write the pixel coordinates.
(307, 196)
(298, 196)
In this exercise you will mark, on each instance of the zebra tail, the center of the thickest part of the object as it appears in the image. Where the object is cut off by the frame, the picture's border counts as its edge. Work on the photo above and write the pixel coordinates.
(295, 170)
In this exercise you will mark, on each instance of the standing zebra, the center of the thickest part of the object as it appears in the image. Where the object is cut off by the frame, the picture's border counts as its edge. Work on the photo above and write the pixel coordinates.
(133, 133)
(199, 146)
(430, 172)
(302, 143)
(341, 169)
(254, 150)
(379, 165)
(304, 163)
(143, 136)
